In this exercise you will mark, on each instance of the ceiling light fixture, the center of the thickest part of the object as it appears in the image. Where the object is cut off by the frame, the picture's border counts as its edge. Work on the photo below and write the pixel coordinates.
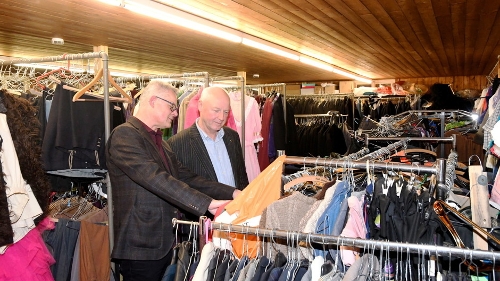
(113, 2)
(355, 77)
(174, 16)
(316, 63)
(270, 49)
(197, 23)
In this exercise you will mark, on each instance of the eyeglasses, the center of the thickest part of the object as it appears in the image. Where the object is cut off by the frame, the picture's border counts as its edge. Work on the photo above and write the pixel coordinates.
(173, 107)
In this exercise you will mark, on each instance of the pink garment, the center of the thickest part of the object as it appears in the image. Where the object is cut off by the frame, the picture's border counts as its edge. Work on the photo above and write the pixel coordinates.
(192, 110)
(231, 122)
(29, 258)
(253, 126)
(355, 228)
(495, 191)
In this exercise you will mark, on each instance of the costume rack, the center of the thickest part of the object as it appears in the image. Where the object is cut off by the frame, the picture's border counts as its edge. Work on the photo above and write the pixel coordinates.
(342, 241)
(107, 126)
(328, 96)
(241, 84)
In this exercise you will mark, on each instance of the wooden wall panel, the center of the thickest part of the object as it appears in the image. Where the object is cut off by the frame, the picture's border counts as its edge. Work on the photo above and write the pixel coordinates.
(476, 82)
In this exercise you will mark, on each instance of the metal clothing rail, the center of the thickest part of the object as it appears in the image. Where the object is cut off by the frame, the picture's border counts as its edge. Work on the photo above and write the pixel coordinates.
(199, 75)
(329, 114)
(441, 114)
(355, 242)
(385, 151)
(107, 126)
(438, 168)
(242, 120)
(451, 139)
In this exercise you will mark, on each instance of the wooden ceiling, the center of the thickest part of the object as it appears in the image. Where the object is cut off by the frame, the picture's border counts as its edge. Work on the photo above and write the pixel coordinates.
(375, 38)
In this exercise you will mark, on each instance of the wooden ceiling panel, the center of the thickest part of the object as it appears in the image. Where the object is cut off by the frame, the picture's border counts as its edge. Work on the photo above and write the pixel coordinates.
(377, 38)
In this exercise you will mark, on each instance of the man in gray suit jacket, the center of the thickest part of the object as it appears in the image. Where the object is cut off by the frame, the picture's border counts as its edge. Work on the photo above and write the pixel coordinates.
(207, 147)
(150, 187)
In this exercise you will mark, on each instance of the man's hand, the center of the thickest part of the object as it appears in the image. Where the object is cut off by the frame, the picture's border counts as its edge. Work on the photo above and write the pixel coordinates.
(215, 204)
(236, 193)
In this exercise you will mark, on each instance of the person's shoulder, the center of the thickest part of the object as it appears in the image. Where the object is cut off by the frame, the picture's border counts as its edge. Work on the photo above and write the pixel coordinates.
(123, 128)
(179, 136)
(230, 131)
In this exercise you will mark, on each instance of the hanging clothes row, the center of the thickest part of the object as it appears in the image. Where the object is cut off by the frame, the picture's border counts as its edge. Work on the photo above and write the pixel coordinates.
(278, 129)
(350, 209)
(23, 194)
(321, 104)
(323, 136)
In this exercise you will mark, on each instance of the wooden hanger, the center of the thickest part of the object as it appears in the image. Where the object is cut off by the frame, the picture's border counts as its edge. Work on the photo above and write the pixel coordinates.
(97, 77)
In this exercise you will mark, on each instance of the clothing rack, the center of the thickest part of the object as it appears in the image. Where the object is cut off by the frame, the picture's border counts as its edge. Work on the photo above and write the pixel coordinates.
(242, 81)
(328, 114)
(350, 157)
(107, 126)
(343, 241)
(329, 96)
(441, 114)
(283, 92)
(180, 76)
(452, 139)
(385, 151)
(438, 168)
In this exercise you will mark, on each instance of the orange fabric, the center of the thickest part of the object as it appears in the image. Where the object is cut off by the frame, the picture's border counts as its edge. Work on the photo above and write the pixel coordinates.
(94, 252)
(260, 193)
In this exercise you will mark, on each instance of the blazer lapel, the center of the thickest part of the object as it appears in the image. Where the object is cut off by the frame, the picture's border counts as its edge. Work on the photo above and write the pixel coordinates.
(230, 145)
(197, 142)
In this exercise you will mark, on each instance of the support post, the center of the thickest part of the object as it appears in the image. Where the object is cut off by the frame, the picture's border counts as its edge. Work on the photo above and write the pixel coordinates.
(241, 85)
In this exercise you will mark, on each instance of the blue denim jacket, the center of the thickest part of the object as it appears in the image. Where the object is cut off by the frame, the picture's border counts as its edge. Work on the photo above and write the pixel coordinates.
(327, 220)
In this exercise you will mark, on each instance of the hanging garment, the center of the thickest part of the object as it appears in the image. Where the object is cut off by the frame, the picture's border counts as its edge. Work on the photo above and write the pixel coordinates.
(297, 202)
(364, 269)
(253, 126)
(29, 258)
(23, 206)
(354, 228)
(207, 253)
(183, 260)
(267, 113)
(6, 232)
(192, 110)
(94, 252)
(74, 137)
(261, 192)
(24, 130)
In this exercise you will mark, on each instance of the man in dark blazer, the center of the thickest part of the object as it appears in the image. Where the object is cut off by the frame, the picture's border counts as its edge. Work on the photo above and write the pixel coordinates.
(207, 147)
(150, 187)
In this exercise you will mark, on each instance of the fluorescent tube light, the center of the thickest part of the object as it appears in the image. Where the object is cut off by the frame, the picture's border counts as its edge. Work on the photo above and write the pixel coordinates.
(269, 49)
(113, 2)
(163, 13)
(316, 63)
(355, 77)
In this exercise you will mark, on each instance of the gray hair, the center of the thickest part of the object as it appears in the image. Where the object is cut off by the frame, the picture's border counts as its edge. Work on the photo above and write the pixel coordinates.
(156, 86)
